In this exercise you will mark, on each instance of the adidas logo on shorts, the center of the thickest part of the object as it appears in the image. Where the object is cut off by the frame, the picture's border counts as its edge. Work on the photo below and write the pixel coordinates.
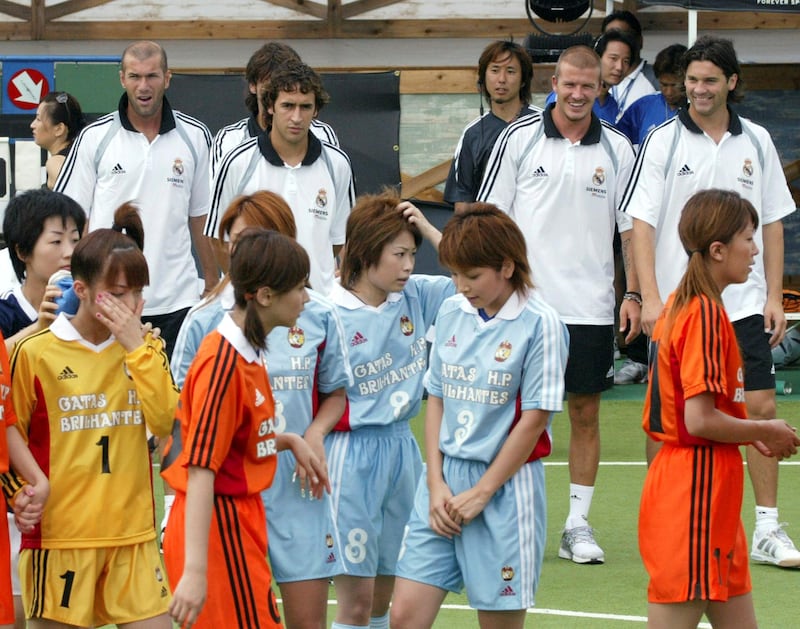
(358, 339)
(508, 591)
(67, 374)
(331, 558)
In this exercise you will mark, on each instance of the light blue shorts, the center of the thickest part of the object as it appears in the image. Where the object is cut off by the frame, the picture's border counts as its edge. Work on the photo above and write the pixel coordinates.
(303, 543)
(374, 472)
(498, 556)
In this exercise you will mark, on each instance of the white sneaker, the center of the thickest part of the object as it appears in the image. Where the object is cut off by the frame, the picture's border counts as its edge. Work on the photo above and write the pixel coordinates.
(578, 545)
(775, 547)
(631, 373)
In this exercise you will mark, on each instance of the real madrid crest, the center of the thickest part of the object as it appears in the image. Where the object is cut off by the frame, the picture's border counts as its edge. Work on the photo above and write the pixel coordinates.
(507, 573)
(599, 176)
(503, 352)
(177, 167)
(747, 169)
(406, 326)
(322, 197)
(296, 336)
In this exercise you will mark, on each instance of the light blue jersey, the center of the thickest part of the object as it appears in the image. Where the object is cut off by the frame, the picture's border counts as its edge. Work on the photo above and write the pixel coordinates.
(388, 351)
(302, 361)
(373, 458)
(487, 372)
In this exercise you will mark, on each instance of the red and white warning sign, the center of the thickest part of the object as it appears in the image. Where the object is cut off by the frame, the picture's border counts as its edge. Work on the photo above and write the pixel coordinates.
(27, 87)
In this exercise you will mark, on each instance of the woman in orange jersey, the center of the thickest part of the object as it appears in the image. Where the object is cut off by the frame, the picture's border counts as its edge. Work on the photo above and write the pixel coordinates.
(690, 531)
(215, 544)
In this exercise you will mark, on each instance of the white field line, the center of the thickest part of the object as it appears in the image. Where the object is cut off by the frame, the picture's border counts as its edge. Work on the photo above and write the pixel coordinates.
(635, 463)
(603, 463)
(560, 612)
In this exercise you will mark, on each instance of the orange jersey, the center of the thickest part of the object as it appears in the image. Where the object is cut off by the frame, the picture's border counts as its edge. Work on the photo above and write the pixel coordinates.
(226, 414)
(7, 415)
(700, 355)
(7, 418)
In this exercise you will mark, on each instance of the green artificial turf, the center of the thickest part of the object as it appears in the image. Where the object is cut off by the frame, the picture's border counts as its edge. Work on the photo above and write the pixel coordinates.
(614, 594)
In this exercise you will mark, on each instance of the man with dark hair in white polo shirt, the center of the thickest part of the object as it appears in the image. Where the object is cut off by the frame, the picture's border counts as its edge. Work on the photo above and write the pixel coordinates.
(157, 158)
(314, 177)
(560, 175)
(262, 63)
(707, 145)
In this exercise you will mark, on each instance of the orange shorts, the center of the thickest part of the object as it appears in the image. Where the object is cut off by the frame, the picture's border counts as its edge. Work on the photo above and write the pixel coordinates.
(6, 598)
(239, 578)
(691, 536)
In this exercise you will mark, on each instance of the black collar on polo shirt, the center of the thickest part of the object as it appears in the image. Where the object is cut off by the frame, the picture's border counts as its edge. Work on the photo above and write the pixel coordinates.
(734, 125)
(253, 128)
(592, 136)
(271, 155)
(167, 119)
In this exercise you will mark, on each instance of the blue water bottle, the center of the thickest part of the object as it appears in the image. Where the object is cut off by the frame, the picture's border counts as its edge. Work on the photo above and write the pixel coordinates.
(68, 302)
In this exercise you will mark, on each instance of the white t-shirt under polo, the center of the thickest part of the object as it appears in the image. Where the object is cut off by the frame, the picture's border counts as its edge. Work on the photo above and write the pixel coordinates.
(678, 159)
(563, 195)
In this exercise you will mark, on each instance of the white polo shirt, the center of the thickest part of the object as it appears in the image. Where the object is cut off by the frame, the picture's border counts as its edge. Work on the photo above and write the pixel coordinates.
(111, 163)
(233, 135)
(319, 190)
(678, 159)
(563, 196)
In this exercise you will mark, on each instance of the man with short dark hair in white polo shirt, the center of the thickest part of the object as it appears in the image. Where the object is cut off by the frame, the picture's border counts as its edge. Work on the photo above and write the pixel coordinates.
(707, 145)
(157, 158)
(262, 63)
(560, 175)
(312, 176)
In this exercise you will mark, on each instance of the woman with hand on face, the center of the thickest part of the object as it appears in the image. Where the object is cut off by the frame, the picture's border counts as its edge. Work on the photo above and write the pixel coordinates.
(85, 391)
(58, 122)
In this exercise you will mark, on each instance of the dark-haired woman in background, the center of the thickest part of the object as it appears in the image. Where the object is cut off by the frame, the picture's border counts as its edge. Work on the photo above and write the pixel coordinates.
(58, 122)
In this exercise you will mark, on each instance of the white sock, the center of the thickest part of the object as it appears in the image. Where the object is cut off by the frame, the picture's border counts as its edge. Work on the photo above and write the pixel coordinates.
(339, 625)
(168, 500)
(379, 622)
(580, 500)
(766, 519)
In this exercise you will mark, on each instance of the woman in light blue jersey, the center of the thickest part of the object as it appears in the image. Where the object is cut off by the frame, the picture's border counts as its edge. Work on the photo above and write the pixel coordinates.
(373, 458)
(496, 377)
(308, 372)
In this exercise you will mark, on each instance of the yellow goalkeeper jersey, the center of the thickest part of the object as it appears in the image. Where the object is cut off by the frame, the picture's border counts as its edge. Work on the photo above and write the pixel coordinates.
(83, 409)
